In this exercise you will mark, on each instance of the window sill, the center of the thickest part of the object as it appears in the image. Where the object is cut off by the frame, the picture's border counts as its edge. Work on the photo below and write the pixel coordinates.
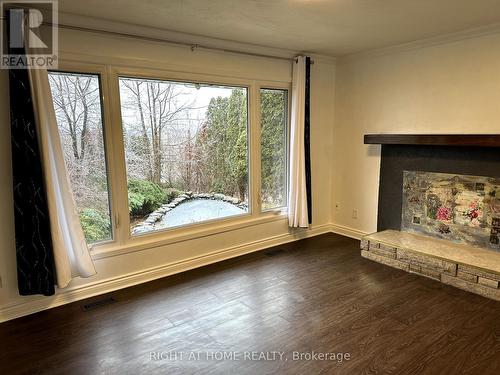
(146, 242)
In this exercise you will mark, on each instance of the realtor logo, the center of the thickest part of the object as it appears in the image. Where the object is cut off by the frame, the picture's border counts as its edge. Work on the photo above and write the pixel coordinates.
(29, 34)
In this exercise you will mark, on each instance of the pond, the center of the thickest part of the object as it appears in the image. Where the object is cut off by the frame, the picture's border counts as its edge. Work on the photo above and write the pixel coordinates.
(197, 210)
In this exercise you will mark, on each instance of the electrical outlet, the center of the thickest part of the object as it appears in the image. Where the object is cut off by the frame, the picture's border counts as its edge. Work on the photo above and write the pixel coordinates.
(354, 213)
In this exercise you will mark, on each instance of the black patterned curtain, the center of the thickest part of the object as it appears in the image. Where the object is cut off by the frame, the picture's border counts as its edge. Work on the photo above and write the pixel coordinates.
(35, 260)
(307, 139)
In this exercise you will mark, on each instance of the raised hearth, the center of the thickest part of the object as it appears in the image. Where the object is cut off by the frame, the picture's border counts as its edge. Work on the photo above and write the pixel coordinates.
(473, 269)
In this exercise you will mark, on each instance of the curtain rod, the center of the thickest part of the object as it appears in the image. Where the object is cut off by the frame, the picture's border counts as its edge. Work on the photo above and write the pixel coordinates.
(193, 46)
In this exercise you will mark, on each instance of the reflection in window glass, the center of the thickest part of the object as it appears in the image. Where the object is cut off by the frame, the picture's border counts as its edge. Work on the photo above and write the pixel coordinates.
(186, 152)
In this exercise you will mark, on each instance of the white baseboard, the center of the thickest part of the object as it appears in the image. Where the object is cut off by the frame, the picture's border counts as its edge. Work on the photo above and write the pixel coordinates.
(348, 232)
(102, 287)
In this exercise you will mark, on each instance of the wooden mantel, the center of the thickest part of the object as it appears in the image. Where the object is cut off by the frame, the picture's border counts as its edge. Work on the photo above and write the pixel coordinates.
(475, 140)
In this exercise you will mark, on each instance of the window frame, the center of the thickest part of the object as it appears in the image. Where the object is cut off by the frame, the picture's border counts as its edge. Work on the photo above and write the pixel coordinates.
(263, 86)
(100, 72)
(123, 242)
(250, 196)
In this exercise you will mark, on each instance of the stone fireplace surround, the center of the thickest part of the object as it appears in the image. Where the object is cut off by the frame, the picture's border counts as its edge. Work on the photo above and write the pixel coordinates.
(472, 269)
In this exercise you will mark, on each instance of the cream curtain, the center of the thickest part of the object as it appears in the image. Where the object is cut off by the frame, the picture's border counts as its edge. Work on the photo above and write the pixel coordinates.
(297, 195)
(71, 253)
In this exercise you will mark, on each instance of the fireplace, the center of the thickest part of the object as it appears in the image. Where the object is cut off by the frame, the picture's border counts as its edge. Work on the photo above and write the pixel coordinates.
(439, 209)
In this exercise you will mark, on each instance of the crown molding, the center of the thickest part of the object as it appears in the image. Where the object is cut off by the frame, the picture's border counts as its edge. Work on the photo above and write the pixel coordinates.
(422, 43)
(200, 41)
(221, 44)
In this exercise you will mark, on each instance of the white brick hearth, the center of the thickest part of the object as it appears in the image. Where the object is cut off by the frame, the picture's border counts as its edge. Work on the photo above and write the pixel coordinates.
(473, 269)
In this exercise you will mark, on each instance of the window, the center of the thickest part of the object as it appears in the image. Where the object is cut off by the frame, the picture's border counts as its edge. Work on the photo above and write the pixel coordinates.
(273, 107)
(181, 152)
(77, 104)
(186, 152)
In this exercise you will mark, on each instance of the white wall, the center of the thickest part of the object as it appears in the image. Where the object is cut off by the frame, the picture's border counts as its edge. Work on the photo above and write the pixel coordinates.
(442, 88)
(119, 271)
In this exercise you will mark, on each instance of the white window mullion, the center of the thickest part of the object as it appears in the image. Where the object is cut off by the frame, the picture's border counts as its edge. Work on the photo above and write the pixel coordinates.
(118, 174)
(254, 150)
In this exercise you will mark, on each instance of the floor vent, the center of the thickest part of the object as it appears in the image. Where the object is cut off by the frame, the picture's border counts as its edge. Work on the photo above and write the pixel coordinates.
(99, 303)
(274, 252)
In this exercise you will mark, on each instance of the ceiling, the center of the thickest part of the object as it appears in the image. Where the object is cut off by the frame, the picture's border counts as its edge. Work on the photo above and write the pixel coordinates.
(329, 27)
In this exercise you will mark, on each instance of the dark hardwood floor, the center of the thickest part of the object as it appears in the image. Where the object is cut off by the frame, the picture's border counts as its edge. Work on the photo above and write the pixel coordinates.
(315, 295)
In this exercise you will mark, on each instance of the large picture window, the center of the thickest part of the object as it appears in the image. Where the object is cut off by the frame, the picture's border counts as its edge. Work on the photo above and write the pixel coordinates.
(274, 110)
(181, 152)
(78, 108)
(186, 152)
